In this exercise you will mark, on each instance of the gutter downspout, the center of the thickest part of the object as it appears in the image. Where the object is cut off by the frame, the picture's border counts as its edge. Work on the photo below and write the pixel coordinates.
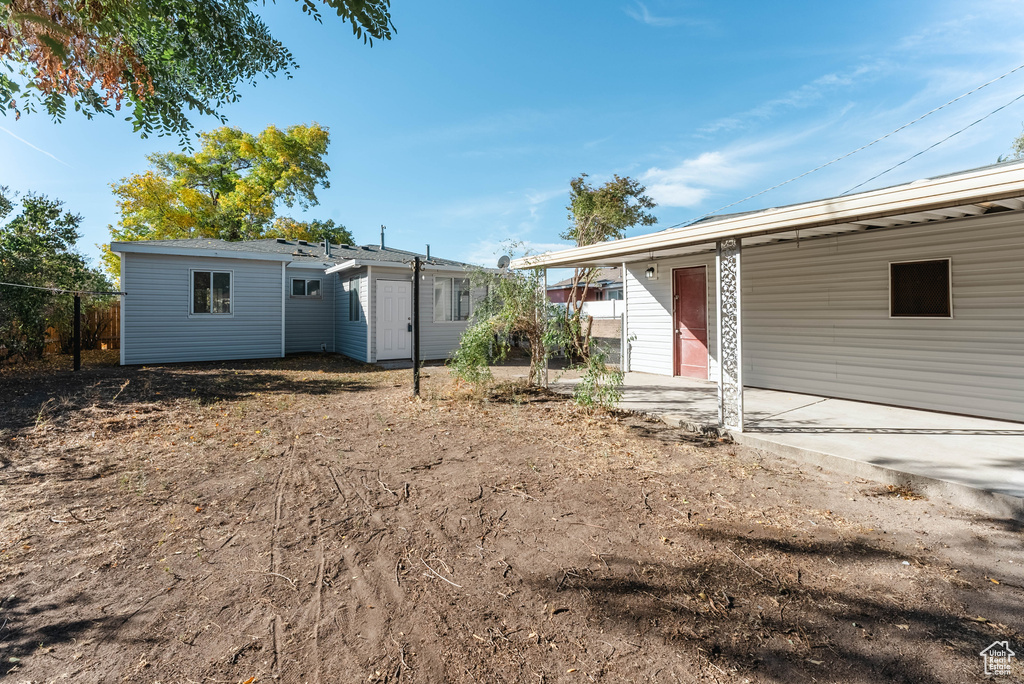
(369, 314)
(123, 256)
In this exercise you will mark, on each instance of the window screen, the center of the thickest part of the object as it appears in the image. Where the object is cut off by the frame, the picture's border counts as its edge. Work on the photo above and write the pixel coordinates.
(211, 292)
(920, 289)
(353, 299)
(451, 299)
(305, 288)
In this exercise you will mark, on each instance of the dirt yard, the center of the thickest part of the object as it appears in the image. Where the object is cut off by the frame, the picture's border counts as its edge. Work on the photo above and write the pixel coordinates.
(304, 520)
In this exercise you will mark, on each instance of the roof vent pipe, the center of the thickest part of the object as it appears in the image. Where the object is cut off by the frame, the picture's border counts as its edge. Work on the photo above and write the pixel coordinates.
(327, 248)
(428, 252)
(382, 229)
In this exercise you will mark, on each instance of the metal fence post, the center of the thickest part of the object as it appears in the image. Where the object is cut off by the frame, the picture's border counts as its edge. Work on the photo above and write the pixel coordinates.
(78, 332)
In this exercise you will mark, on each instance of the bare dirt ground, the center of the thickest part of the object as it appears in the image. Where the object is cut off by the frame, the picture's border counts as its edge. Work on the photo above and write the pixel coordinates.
(304, 520)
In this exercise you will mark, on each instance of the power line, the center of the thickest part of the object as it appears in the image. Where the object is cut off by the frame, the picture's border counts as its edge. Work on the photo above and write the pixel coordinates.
(918, 154)
(57, 290)
(864, 147)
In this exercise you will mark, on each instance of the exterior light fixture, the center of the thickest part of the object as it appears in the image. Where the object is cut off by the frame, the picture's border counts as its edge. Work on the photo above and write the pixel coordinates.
(652, 272)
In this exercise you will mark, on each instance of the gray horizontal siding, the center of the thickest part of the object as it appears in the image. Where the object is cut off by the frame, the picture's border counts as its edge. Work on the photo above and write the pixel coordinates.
(649, 311)
(156, 322)
(309, 323)
(437, 339)
(350, 336)
(440, 339)
(816, 319)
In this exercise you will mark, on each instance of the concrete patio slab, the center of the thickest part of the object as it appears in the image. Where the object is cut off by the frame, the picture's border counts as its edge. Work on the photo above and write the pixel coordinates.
(974, 462)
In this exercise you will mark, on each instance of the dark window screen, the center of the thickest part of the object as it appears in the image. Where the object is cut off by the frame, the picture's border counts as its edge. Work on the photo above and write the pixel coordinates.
(920, 288)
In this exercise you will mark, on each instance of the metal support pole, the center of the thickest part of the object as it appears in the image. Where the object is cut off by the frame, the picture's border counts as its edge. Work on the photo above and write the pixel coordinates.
(416, 327)
(78, 332)
(730, 353)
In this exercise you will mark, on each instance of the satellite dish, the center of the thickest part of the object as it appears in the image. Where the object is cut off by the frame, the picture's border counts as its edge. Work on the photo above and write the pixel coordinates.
(503, 262)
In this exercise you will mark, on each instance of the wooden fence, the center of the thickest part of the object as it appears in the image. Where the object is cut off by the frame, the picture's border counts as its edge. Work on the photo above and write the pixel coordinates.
(101, 329)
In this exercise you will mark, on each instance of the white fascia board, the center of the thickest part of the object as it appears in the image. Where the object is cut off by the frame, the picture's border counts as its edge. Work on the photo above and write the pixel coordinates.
(424, 266)
(984, 185)
(132, 247)
(343, 266)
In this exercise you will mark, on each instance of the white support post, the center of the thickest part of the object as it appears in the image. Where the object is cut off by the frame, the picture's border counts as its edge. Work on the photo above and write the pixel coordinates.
(544, 312)
(624, 330)
(730, 354)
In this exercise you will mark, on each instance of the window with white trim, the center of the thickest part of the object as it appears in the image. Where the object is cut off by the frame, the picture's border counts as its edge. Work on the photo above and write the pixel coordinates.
(920, 289)
(353, 299)
(211, 292)
(306, 287)
(451, 299)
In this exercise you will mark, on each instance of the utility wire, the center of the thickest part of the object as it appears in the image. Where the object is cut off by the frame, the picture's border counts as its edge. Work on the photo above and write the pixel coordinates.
(864, 147)
(933, 145)
(57, 290)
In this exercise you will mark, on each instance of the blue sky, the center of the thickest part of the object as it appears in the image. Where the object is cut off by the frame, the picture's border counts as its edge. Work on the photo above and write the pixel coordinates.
(466, 128)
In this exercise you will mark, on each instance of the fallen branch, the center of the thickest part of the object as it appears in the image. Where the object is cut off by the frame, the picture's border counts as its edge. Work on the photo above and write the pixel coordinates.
(276, 574)
(745, 563)
(439, 576)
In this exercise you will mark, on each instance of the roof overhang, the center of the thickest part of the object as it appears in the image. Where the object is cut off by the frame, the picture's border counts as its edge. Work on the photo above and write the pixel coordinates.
(141, 248)
(316, 265)
(972, 193)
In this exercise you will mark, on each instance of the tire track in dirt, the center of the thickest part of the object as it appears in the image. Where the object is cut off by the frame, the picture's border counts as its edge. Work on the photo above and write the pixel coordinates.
(318, 601)
(277, 626)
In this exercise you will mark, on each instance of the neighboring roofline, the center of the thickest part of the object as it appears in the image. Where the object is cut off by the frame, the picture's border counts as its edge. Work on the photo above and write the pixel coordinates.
(137, 248)
(979, 185)
(596, 284)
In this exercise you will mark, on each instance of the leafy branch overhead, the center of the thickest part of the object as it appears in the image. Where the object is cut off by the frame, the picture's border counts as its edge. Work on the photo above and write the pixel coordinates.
(164, 60)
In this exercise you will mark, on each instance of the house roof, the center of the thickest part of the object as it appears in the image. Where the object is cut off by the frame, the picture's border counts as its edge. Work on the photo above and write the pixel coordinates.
(603, 278)
(986, 190)
(279, 249)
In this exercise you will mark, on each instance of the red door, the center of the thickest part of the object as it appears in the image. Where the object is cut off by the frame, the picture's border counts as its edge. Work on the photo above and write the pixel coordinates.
(690, 321)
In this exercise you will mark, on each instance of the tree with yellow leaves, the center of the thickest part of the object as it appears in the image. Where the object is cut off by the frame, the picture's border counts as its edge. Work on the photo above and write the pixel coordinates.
(230, 189)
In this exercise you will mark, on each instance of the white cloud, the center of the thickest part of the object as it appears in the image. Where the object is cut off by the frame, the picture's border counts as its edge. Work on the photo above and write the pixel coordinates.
(486, 252)
(639, 11)
(798, 98)
(688, 183)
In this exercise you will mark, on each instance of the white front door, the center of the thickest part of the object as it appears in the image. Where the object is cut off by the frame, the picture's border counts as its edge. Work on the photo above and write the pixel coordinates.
(394, 303)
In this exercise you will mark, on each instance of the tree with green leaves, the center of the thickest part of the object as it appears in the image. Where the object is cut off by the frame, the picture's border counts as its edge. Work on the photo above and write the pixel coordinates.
(1016, 150)
(162, 59)
(37, 248)
(599, 214)
(516, 309)
(230, 189)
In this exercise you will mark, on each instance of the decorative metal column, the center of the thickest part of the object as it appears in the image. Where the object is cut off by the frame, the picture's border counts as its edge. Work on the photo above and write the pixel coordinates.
(730, 356)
